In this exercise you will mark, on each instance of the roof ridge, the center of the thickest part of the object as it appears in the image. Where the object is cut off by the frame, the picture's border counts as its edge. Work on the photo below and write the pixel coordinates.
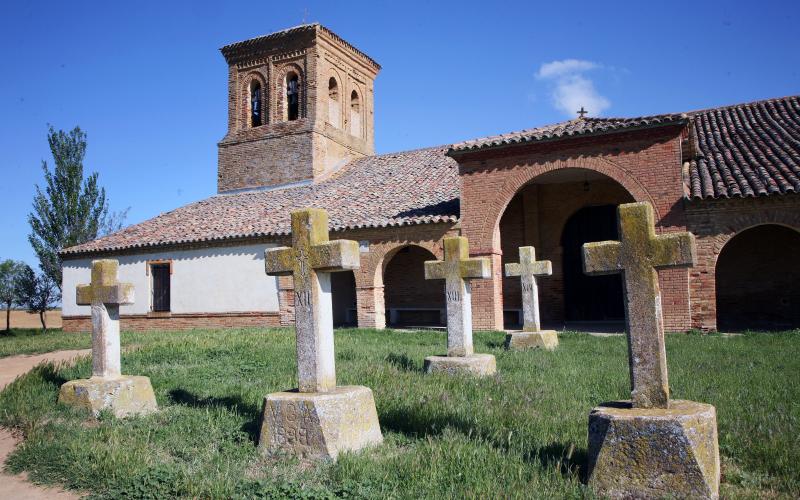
(694, 112)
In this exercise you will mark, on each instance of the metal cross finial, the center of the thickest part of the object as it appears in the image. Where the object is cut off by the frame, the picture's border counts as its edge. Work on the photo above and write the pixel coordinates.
(581, 112)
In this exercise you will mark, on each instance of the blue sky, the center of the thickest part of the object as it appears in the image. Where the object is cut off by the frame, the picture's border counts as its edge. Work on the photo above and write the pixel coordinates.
(147, 83)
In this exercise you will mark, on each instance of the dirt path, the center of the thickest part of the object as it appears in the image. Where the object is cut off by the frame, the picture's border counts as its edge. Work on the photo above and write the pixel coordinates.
(17, 487)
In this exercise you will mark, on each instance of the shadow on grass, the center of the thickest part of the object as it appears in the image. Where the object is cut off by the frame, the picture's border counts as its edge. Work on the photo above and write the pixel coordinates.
(402, 362)
(496, 344)
(566, 457)
(231, 403)
(49, 373)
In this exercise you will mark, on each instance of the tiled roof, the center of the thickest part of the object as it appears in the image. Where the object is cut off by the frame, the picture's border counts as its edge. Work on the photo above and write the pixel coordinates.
(572, 128)
(413, 187)
(232, 50)
(746, 150)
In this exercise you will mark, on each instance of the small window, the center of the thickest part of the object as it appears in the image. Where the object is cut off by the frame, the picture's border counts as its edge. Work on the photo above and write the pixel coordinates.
(334, 109)
(161, 287)
(355, 114)
(292, 96)
(255, 105)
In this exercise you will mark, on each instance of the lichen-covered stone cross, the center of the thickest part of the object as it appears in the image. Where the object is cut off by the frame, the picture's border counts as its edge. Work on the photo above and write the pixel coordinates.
(105, 295)
(637, 256)
(456, 268)
(528, 269)
(309, 261)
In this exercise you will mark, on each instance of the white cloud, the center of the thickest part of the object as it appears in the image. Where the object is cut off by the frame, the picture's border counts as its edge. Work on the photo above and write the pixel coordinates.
(563, 68)
(571, 88)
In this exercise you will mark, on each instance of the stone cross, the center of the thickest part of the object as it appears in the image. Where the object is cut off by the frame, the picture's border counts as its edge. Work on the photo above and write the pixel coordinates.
(637, 256)
(309, 261)
(456, 269)
(105, 295)
(528, 269)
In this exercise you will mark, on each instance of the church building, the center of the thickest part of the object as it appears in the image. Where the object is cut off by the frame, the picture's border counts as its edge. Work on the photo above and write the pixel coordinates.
(301, 134)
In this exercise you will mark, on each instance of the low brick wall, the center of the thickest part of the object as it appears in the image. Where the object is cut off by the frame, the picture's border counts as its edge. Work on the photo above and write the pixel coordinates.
(143, 323)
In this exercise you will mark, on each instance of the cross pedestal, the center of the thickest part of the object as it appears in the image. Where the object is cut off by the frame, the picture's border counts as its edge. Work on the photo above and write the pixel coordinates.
(108, 388)
(649, 446)
(457, 269)
(531, 336)
(319, 419)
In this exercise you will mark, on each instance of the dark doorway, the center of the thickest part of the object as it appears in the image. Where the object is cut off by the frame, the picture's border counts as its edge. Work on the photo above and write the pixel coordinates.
(343, 298)
(757, 280)
(590, 298)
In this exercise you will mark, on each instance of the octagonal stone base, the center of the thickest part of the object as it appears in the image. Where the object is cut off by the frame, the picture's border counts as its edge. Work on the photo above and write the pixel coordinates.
(319, 424)
(654, 453)
(479, 365)
(124, 396)
(520, 341)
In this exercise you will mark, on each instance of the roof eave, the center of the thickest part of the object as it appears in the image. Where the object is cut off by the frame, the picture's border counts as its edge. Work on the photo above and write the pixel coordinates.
(461, 151)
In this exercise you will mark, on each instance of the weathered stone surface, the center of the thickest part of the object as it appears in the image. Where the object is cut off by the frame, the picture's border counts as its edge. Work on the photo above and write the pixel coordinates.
(309, 260)
(456, 268)
(105, 295)
(528, 269)
(544, 339)
(654, 453)
(124, 396)
(637, 256)
(107, 388)
(480, 365)
(319, 425)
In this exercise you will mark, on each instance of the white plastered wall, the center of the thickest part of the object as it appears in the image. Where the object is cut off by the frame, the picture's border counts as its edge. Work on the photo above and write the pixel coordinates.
(206, 280)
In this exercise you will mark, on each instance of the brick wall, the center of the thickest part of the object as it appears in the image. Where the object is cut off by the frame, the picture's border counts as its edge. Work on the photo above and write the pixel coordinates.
(319, 141)
(647, 164)
(384, 244)
(536, 216)
(715, 223)
(179, 321)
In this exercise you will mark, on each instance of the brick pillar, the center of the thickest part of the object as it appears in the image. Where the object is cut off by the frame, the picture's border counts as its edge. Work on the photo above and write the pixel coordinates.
(703, 286)
(286, 300)
(371, 307)
(487, 297)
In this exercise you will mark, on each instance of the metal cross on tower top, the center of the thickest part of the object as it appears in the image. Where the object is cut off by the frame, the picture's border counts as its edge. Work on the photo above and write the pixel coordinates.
(581, 112)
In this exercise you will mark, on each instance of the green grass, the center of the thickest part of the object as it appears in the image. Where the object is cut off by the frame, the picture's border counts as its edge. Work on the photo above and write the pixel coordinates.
(33, 341)
(521, 433)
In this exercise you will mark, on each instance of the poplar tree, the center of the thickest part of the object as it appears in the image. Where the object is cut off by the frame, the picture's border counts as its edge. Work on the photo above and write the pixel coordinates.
(70, 210)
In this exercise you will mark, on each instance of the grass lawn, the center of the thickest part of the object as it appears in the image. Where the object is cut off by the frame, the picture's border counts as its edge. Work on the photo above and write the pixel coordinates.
(35, 341)
(521, 433)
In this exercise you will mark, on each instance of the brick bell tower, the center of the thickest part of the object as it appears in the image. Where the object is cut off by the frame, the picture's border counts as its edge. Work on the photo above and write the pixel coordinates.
(300, 106)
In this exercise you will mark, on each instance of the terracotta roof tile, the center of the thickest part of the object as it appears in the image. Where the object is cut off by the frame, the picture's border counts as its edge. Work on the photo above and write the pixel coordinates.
(413, 187)
(746, 150)
(572, 128)
(739, 151)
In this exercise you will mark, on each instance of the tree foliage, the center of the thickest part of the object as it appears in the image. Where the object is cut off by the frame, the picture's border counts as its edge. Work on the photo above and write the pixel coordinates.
(36, 292)
(10, 271)
(70, 210)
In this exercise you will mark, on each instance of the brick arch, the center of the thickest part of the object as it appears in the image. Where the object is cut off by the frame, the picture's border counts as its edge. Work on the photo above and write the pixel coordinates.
(754, 287)
(333, 73)
(710, 243)
(280, 90)
(374, 274)
(369, 279)
(488, 235)
(355, 87)
(244, 108)
(742, 223)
